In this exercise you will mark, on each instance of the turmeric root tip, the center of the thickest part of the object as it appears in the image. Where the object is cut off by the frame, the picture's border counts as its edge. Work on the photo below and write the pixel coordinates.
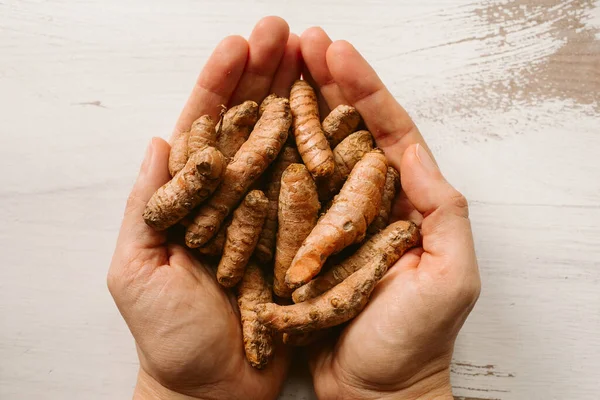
(252, 291)
(390, 190)
(341, 122)
(235, 127)
(393, 241)
(188, 188)
(202, 135)
(178, 155)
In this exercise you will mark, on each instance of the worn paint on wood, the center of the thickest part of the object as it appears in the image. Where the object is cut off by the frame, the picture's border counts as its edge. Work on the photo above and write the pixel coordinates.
(505, 91)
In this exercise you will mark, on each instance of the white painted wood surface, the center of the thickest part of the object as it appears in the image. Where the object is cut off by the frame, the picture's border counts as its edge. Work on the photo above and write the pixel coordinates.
(506, 92)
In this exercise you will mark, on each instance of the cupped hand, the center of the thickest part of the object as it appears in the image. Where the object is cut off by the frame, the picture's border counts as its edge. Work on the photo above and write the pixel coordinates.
(401, 345)
(185, 325)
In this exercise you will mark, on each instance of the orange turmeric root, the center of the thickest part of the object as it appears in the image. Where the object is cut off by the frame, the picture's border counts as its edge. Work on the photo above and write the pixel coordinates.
(341, 122)
(338, 305)
(390, 190)
(393, 241)
(346, 222)
(266, 244)
(267, 100)
(202, 135)
(298, 212)
(241, 237)
(252, 291)
(310, 139)
(178, 155)
(214, 247)
(346, 155)
(235, 127)
(188, 188)
(251, 160)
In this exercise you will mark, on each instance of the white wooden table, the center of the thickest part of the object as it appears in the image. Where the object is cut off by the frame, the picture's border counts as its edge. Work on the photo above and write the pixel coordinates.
(506, 92)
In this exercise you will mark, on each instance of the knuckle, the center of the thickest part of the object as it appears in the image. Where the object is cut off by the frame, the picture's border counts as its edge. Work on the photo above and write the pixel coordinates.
(459, 203)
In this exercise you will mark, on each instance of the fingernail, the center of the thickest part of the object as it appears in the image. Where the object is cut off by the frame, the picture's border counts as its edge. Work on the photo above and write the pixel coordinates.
(147, 157)
(425, 159)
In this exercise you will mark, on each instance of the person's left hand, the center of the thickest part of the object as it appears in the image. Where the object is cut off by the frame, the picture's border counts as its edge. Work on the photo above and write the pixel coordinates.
(186, 327)
(400, 346)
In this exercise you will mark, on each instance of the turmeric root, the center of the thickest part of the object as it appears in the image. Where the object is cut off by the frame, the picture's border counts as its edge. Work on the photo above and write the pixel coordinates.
(346, 222)
(178, 155)
(252, 291)
(298, 212)
(341, 122)
(266, 244)
(241, 237)
(202, 135)
(346, 155)
(391, 188)
(214, 247)
(188, 188)
(310, 139)
(338, 305)
(251, 160)
(235, 127)
(267, 100)
(393, 241)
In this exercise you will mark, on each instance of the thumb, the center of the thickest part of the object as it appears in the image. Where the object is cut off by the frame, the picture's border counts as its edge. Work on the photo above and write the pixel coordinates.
(446, 228)
(153, 174)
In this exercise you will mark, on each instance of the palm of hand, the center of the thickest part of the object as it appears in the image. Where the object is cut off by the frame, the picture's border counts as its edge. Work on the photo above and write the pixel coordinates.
(407, 331)
(187, 329)
(405, 334)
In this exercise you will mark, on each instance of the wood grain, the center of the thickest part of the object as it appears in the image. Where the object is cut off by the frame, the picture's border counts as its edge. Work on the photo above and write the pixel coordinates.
(506, 93)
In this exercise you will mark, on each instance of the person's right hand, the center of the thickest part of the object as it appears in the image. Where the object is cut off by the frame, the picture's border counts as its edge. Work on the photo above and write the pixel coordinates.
(186, 326)
(401, 345)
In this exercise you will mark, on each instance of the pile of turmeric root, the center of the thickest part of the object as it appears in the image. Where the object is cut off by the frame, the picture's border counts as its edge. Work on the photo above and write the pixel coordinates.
(292, 207)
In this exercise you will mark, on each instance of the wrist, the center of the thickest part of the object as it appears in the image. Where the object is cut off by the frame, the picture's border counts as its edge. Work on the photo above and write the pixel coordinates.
(147, 388)
(433, 387)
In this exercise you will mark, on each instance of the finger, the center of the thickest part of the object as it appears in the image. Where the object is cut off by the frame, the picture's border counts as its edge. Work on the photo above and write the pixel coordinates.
(289, 68)
(446, 228)
(154, 173)
(267, 43)
(216, 83)
(314, 43)
(389, 123)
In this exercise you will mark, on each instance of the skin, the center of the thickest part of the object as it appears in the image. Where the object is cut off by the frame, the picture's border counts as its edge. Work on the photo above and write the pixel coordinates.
(399, 347)
(165, 295)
